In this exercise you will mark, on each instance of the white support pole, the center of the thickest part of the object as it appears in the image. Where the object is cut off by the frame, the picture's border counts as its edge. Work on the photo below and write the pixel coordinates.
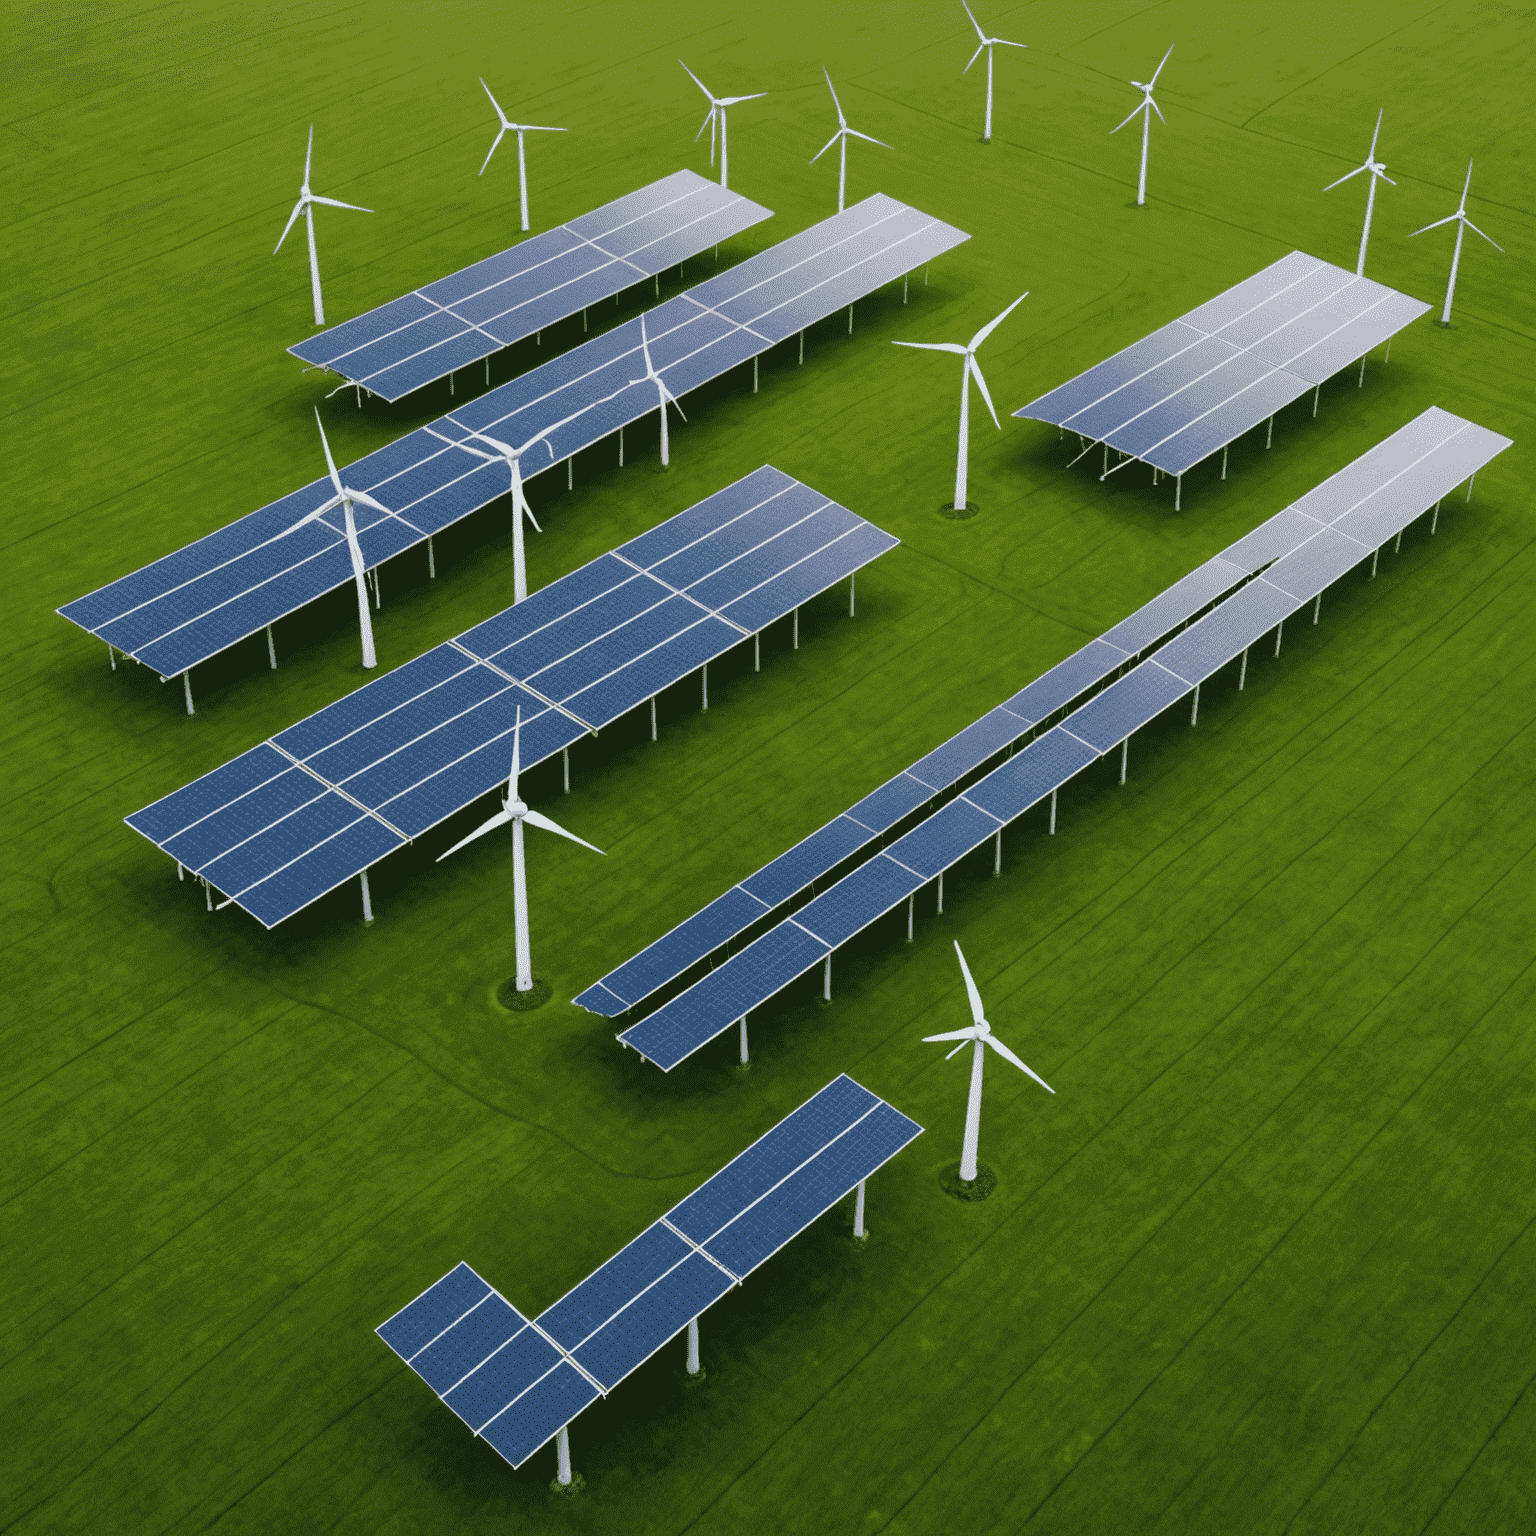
(367, 899)
(797, 629)
(1224, 461)
(802, 346)
(653, 717)
(186, 684)
(621, 447)
(1125, 757)
(181, 872)
(431, 558)
(757, 651)
(1106, 461)
(1279, 635)
(850, 319)
(693, 1347)
(1361, 384)
(826, 979)
(743, 1024)
(565, 767)
(1269, 436)
(1053, 813)
(583, 322)
(1316, 396)
(941, 893)
(271, 648)
(911, 904)
(997, 854)
(563, 1457)
(1397, 544)
(851, 581)
(208, 894)
(704, 670)
(754, 375)
(1387, 358)
(858, 1213)
(1375, 556)
(1470, 484)
(112, 654)
(487, 373)
(1178, 491)
(359, 397)
(1194, 713)
(1434, 520)
(450, 383)
(570, 473)
(906, 277)
(1242, 676)
(1317, 608)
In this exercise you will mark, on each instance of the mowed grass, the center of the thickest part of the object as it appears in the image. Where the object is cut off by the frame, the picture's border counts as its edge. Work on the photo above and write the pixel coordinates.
(1263, 1263)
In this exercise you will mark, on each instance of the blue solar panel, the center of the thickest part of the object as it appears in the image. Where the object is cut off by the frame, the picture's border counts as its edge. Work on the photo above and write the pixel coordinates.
(1187, 596)
(882, 808)
(518, 1384)
(967, 749)
(1177, 396)
(1124, 707)
(858, 899)
(425, 335)
(231, 584)
(949, 834)
(1225, 633)
(429, 738)
(1029, 776)
(792, 871)
(1319, 563)
(1066, 681)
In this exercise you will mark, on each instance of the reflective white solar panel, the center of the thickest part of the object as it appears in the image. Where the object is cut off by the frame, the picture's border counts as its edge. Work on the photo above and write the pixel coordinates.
(1187, 390)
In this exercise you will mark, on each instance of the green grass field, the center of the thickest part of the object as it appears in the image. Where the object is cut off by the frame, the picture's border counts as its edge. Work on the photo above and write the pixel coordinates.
(1265, 1261)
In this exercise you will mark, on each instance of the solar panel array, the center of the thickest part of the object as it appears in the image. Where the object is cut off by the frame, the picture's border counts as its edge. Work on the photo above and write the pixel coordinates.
(1300, 551)
(1177, 396)
(517, 1382)
(428, 333)
(284, 823)
(206, 597)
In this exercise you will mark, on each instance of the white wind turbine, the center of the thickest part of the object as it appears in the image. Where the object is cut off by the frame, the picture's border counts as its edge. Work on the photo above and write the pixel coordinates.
(1147, 108)
(520, 508)
(1377, 169)
(981, 1034)
(514, 811)
(306, 206)
(717, 106)
(1463, 224)
(345, 499)
(663, 394)
(989, 43)
(522, 165)
(840, 138)
(970, 368)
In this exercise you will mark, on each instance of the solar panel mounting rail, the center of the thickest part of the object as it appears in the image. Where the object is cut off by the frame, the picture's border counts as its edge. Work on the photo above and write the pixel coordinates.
(1291, 559)
(518, 1382)
(433, 331)
(241, 579)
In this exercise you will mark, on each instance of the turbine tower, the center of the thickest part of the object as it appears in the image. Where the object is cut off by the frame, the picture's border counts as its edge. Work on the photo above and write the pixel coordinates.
(662, 392)
(989, 43)
(1147, 108)
(345, 499)
(841, 137)
(969, 369)
(522, 165)
(981, 1036)
(1378, 171)
(306, 206)
(717, 106)
(1463, 224)
(514, 811)
(520, 509)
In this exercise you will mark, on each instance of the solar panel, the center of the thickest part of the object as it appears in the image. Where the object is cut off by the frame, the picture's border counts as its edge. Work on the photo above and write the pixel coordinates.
(1402, 477)
(194, 603)
(289, 820)
(1175, 397)
(518, 1382)
(431, 331)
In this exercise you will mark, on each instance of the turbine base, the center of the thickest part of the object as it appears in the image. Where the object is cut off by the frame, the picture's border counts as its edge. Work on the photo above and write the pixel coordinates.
(508, 997)
(957, 514)
(958, 1189)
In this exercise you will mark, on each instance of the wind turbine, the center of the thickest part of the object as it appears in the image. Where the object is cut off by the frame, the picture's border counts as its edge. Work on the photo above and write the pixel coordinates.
(841, 137)
(717, 106)
(344, 499)
(981, 1034)
(969, 369)
(989, 43)
(514, 811)
(1377, 169)
(1463, 224)
(520, 507)
(1147, 108)
(306, 206)
(522, 165)
(662, 392)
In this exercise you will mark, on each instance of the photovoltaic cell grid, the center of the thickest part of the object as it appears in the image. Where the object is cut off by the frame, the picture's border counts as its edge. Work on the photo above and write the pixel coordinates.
(1301, 550)
(1177, 396)
(194, 603)
(516, 1383)
(430, 332)
(284, 823)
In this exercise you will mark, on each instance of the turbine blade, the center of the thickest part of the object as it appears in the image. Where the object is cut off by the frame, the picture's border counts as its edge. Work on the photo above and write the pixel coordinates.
(979, 33)
(814, 158)
(978, 1013)
(957, 1049)
(1342, 179)
(974, 56)
(535, 820)
(1156, 72)
(854, 133)
(1489, 238)
(500, 819)
(293, 219)
(1466, 187)
(1379, 171)
(1158, 110)
(968, 1033)
(1375, 135)
(842, 122)
(1007, 1055)
(1450, 218)
(528, 513)
(1006, 44)
(500, 135)
(517, 755)
(330, 463)
(731, 101)
(501, 116)
(698, 82)
(1119, 126)
(331, 202)
(537, 128)
(363, 499)
(981, 384)
(309, 153)
(709, 122)
(931, 346)
(670, 396)
(992, 325)
(310, 517)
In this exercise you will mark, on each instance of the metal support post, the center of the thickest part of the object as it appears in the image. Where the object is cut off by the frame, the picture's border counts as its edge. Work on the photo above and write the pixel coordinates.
(757, 651)
(826, 979)
(743, 1024)
(565, 767)
(1317, 608)
(858, 1213)
(1242, 676)
(802, 346)
(208, 894)
(693, 1347)
(850, 319)
(563, 1456)
(1106, 461)
(112, 656)
(1178, 490)
(1470, 484)
(1125, 754)
(583, 322)
(1053, 813)
(704, 670)
(911, 904)
(904, 282)
(450, 383)
(1397, 546)
(1224, 461)
(1279, 635)
(431, 558)
(1316, 396)
(754, 375)
(367, 899)
(570, 473)
(181, 871)
(1434, 520)
(186, 683)
(653, 717)
(1361, 384)
(1388, 357)
(487, 373)
(271, 648)
(1375, 556)
(621, 447)
(1194, 713)
(797, 629)
(997, 854)
(853, 578)
(941, 893)
(1269, 436)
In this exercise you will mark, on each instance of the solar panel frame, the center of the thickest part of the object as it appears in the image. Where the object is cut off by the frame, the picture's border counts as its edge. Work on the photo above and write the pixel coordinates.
(429, 481)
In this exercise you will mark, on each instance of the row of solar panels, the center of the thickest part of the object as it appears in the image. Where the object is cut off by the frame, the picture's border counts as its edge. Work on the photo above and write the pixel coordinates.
(1299, 551)
(430, 332)
(233, 583)
(282, 824)
(516, 1382)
